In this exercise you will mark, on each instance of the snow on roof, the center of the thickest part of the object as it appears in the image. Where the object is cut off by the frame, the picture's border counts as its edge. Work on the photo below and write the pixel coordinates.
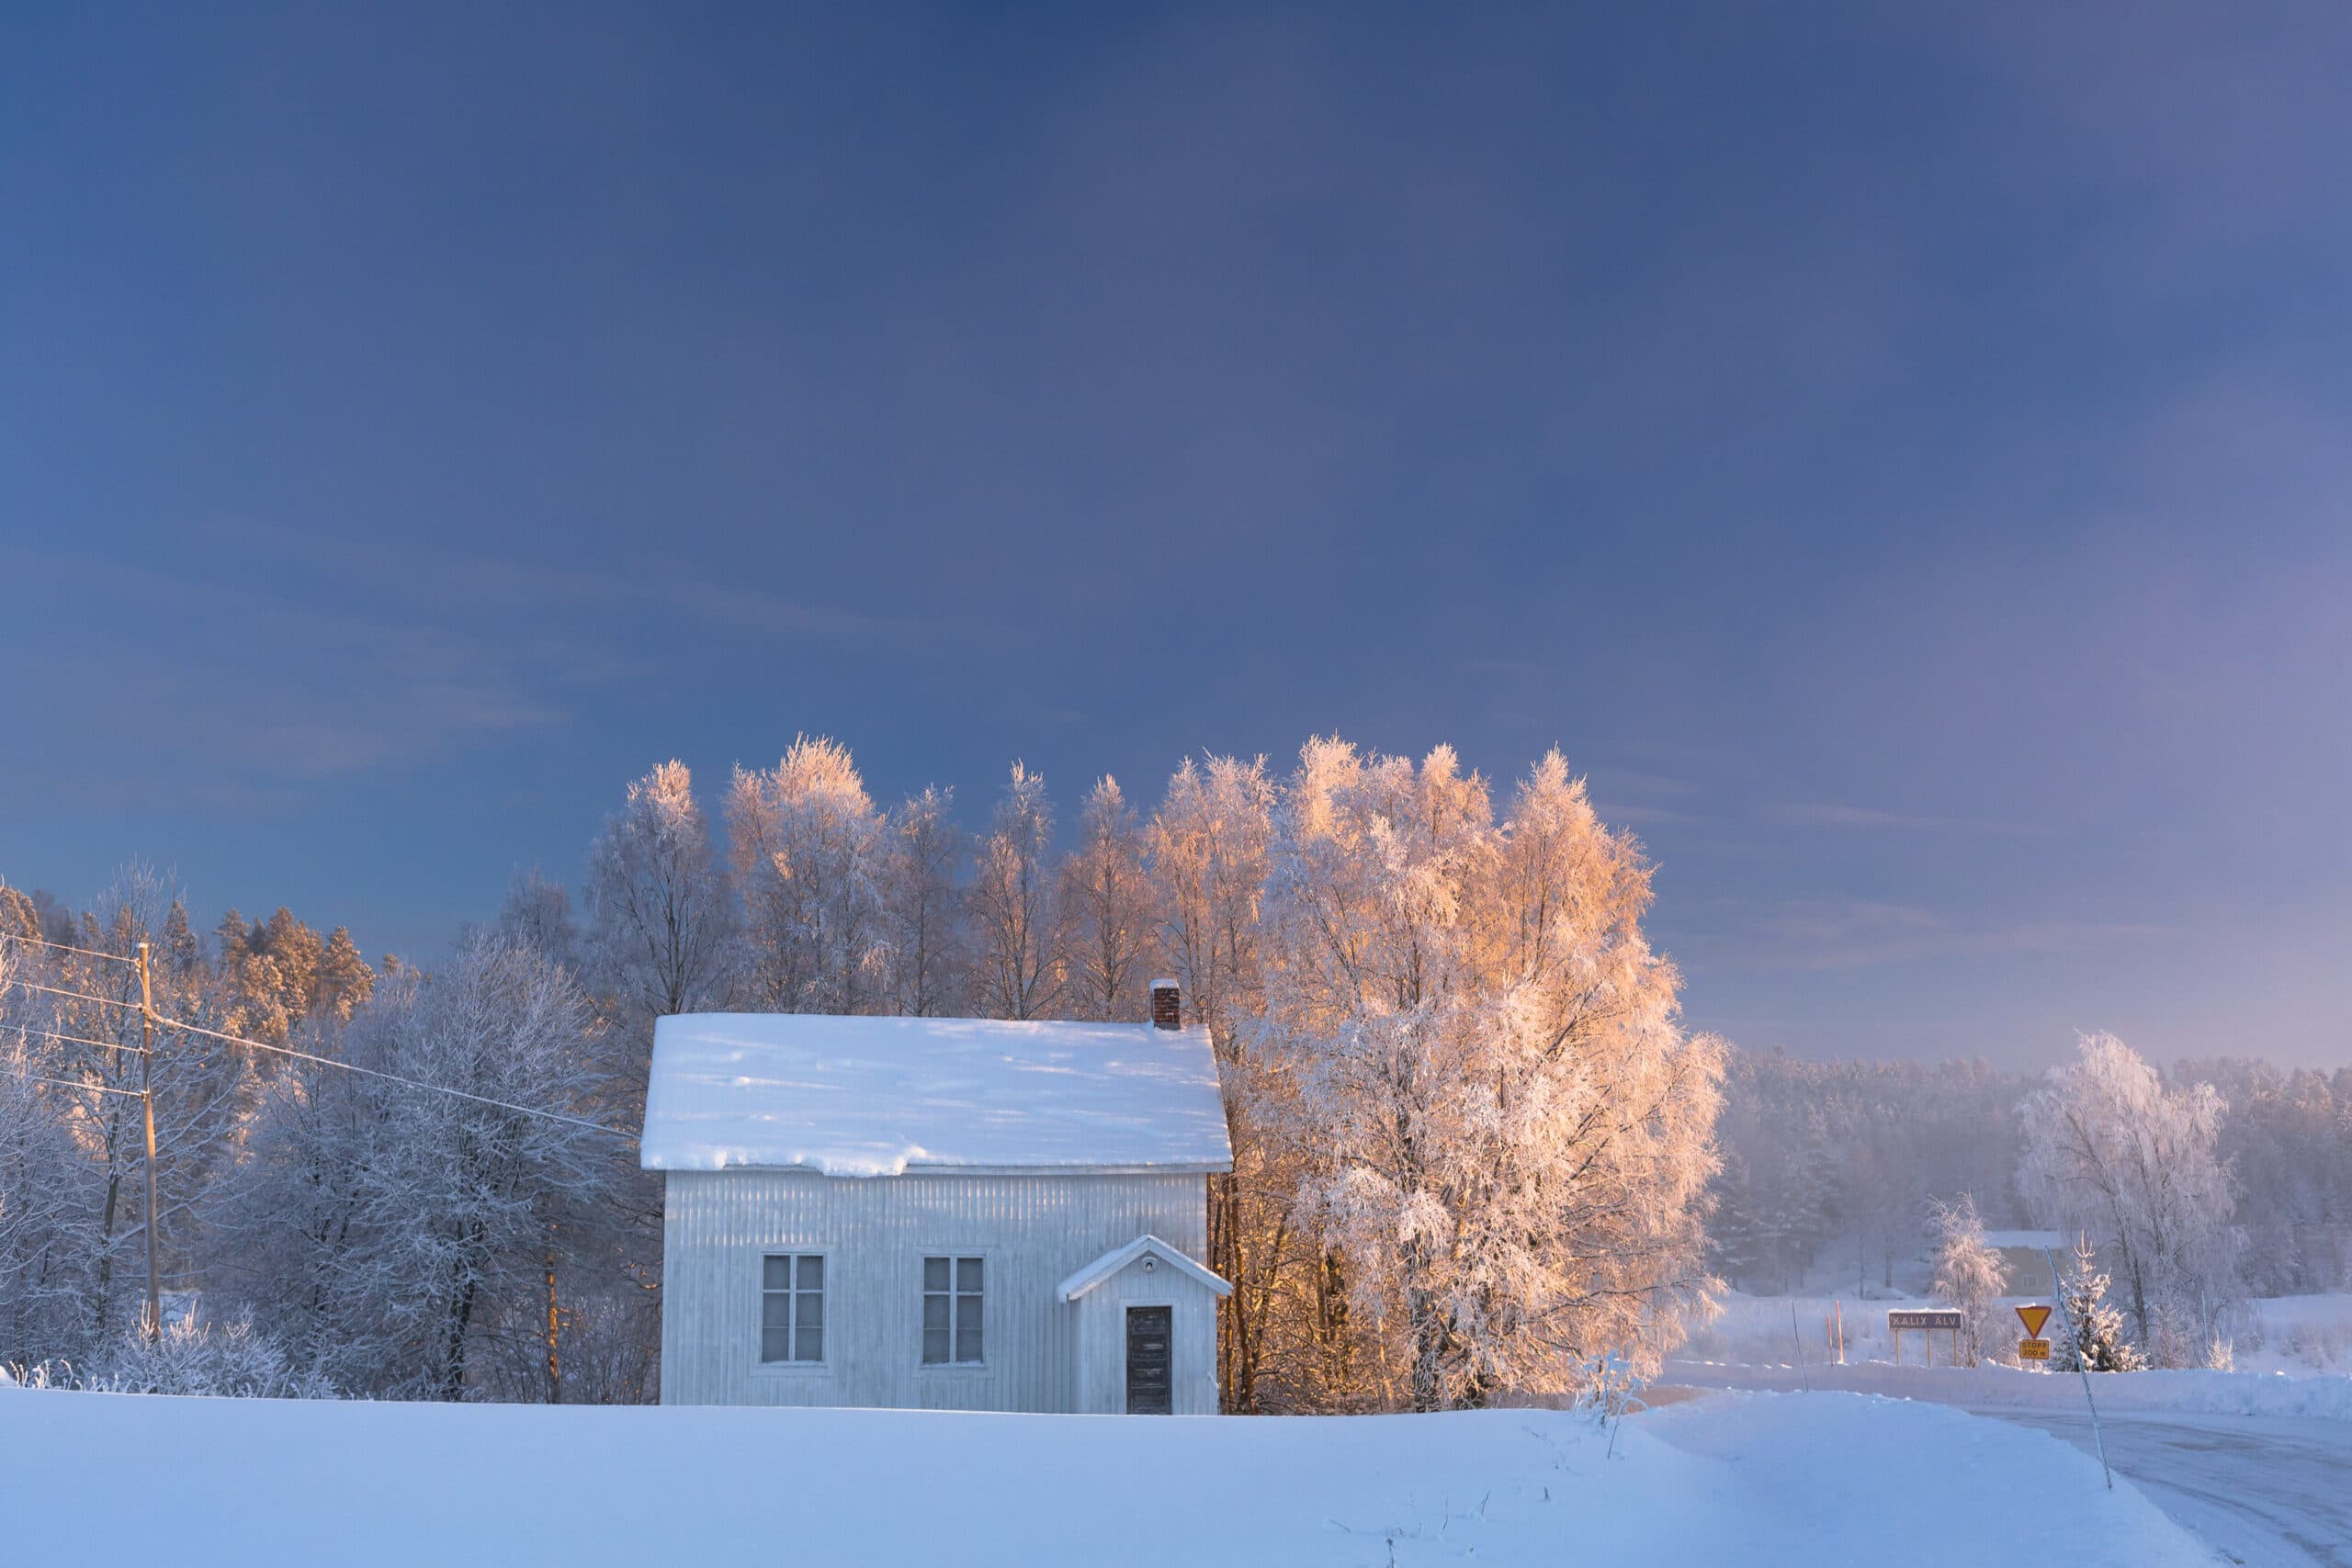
(1118, 1257)
(881, 1096)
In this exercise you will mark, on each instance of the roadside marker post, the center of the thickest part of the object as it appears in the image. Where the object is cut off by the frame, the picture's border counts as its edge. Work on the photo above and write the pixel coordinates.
(1797, 1338)
(2067, 1321)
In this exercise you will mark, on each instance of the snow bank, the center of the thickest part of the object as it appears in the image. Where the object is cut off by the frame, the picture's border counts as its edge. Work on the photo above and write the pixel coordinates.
(863, 1097)
(2192, 1392)
(1759, 1479)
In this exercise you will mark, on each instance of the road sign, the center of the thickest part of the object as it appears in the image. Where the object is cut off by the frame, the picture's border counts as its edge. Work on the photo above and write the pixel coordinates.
(2033, 1317)
(2033, 1349)
(1934, 1319)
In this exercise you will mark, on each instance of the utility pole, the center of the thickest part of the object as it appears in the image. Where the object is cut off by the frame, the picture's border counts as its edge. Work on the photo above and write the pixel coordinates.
(147, 1101)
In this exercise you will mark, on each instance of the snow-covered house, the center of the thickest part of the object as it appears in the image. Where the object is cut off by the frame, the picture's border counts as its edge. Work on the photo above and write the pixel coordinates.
(938, 1214)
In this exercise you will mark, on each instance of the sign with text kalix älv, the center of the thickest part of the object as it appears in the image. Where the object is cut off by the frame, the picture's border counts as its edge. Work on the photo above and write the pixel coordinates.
(1936, 1319)
(2033, 1349)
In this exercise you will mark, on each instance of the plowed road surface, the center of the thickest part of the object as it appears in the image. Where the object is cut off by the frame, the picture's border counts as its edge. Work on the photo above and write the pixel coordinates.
(2266, 1490)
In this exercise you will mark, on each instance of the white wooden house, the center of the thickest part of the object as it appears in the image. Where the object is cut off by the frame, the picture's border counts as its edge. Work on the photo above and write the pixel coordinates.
(937, 1213)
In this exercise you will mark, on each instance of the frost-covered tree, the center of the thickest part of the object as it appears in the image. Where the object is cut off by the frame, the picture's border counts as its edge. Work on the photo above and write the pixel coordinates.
(923, 852)
(808, 853)
(537, 912)
(346, 981)
(659, 922)
(1015, 919)
(2111, 1150)
(48, 1274)
(76, 1121)
(1107, 912)
(399, 1238)
(1206, 855)
(2287, 1139)
(1207, 851)
(1509, 1136)
(2094, 1334)
(1969, 1273)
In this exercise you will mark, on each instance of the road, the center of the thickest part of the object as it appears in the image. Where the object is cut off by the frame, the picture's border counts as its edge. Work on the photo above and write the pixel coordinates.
(2267, 1491)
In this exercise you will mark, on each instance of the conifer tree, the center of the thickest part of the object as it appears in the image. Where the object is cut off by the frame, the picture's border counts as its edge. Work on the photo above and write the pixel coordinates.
(2097, 1340)
(345, 980)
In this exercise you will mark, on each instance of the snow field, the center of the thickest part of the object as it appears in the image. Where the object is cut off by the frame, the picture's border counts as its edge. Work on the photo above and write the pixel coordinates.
(2296, 1335)
(1755, 1479)
(2326, 1397)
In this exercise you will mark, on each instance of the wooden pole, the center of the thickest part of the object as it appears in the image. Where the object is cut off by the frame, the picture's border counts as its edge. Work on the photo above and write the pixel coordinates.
(555, 1368)
(147, 1104)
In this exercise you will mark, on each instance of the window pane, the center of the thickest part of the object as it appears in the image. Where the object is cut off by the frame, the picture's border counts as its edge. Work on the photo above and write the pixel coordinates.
(967, 1313)
(967, 1344)
(812, 1308)
(776, 1274)
(812, 1343)
(812, 1273)
(934, 1312)
(934, 1273)
(935, 1345)
(775, 1344)
(967, 1273)
(776, 1310)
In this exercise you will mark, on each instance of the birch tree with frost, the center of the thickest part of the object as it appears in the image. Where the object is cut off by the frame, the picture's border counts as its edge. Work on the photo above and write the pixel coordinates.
(659, 923)
(1508, 1136)
(923, 906)
(1107, 907)
(809, 854)
(2109, 1149)
(1015, 908)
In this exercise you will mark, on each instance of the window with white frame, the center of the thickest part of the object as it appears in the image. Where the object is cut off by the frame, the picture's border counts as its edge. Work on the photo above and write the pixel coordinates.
(951, 1312)
(792, 1308)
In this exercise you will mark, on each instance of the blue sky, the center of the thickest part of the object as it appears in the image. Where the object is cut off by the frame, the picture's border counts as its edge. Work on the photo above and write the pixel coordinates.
(1899, 457)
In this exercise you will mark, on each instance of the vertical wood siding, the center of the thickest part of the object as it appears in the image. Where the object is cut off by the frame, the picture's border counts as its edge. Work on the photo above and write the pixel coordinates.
(1034, 1231)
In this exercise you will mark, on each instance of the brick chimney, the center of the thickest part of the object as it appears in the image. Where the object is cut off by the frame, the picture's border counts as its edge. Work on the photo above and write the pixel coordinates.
(1166, 1005)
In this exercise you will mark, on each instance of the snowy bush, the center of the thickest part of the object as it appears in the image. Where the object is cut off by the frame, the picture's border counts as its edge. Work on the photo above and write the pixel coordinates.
(230, 1360)
(2316, 1345)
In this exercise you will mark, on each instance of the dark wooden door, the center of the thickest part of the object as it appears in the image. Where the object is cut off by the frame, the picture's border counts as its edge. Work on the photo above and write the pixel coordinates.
(1147, 1337)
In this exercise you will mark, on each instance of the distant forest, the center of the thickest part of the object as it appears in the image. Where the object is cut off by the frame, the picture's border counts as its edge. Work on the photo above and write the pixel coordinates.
(1840, 1161)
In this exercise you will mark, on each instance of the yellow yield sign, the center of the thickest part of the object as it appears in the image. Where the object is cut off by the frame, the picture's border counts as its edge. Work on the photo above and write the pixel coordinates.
(2033, 1346)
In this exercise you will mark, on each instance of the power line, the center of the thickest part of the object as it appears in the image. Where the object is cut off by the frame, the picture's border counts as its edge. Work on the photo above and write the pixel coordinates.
(67, 947)
(92, 1087)
(78, 996)
(394, 1078)
(306, 1056)
(75, 1038)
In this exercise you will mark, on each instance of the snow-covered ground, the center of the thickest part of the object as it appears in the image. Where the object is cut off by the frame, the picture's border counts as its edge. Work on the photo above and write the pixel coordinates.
(1755, 1479)
(2257, 1462)
(2322, 1396)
